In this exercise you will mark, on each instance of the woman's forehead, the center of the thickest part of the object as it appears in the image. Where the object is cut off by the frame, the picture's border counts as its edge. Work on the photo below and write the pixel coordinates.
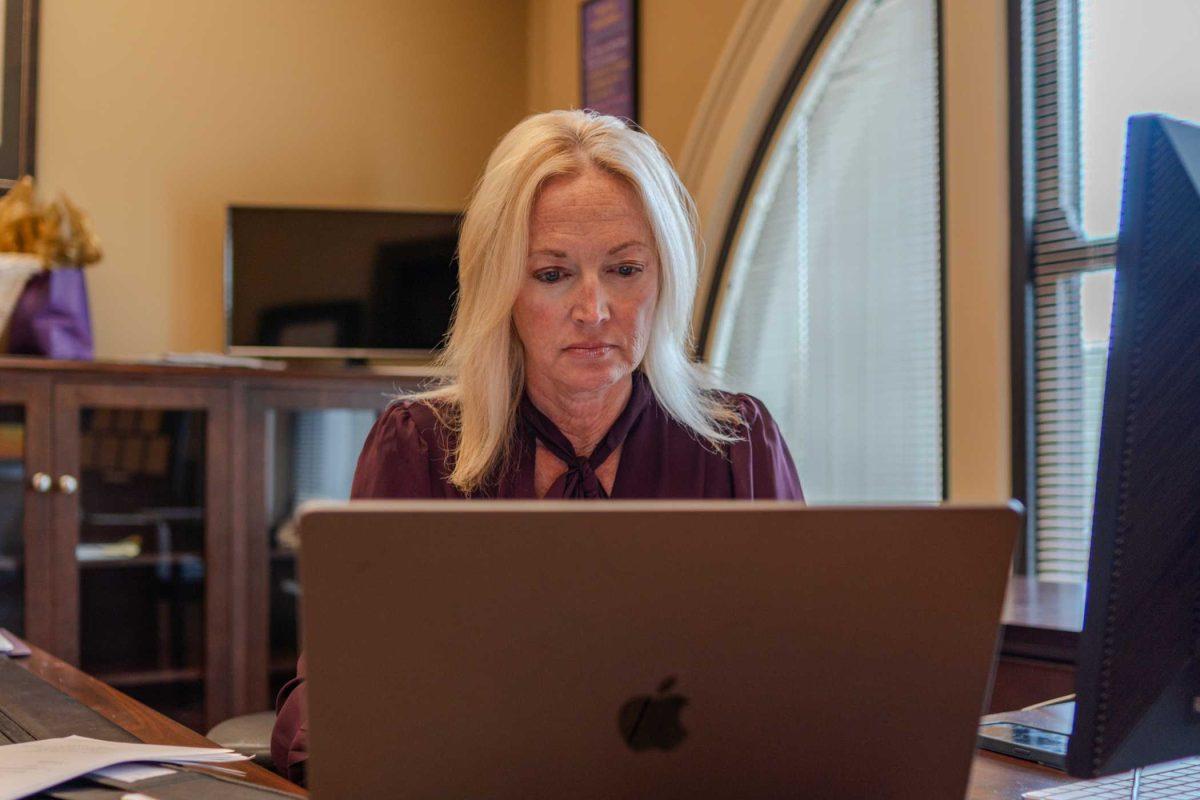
(593, 200)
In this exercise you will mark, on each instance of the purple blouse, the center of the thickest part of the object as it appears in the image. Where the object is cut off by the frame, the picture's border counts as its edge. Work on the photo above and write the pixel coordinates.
(405, 456)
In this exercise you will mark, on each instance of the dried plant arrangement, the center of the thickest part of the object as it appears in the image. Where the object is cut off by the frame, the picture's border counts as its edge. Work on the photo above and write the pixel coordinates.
(58, 233)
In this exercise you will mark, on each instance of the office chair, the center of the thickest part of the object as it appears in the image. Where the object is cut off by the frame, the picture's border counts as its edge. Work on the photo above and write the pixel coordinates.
(249, 734)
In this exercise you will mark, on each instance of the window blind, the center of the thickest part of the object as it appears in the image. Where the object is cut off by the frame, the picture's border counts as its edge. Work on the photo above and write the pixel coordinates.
(832, 305)
(1083, 84)
(325, 445)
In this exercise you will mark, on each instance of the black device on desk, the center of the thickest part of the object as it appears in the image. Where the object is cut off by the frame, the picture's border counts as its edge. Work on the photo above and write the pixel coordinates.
(1138, 679)
(1025, 741)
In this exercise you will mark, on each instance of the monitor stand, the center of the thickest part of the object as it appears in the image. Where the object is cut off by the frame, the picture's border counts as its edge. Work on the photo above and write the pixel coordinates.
(1136, 791)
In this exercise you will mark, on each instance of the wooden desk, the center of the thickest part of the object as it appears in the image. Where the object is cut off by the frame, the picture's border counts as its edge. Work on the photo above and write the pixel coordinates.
(1039, 619)
(143, 722)
(997, 777)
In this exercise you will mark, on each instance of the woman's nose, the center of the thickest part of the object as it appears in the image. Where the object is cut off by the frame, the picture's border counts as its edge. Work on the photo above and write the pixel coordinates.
(589, 305)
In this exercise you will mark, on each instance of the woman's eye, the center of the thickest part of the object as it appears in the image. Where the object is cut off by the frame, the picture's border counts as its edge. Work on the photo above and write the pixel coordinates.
(550, 275)
(628, 270)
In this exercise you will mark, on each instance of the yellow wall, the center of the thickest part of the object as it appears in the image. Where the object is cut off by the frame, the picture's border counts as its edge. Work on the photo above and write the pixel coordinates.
(681, 41)
(155, 114)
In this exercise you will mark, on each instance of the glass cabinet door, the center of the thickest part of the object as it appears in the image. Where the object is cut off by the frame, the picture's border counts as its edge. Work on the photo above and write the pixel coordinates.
(307, 453)
(139, 470)
(26, 484)
(13, 491)
(311, 456)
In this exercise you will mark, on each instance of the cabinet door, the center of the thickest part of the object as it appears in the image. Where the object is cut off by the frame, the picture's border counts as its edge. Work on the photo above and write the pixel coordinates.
(300, 445)
(141, 524)
(26, 491)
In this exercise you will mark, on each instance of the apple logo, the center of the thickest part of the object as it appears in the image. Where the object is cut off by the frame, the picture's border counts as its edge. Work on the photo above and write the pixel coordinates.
(652, 721)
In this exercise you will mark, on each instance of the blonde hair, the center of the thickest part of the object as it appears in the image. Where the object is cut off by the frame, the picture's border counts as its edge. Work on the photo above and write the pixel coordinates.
(483, 356)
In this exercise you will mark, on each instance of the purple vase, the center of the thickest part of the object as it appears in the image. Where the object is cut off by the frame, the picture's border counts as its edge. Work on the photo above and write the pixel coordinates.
(51, 318)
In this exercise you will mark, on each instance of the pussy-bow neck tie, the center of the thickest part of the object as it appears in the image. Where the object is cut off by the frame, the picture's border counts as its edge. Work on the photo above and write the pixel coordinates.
(580, 480)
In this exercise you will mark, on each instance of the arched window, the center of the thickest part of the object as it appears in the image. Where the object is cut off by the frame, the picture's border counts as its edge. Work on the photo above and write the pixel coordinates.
(829, 300)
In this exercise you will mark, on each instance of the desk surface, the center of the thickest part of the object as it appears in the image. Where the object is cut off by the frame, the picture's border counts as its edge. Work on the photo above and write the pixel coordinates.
(1031, 603)
(1033, 608)
(1042, 620)
(997, 777)
(993, 777)
(144, 723)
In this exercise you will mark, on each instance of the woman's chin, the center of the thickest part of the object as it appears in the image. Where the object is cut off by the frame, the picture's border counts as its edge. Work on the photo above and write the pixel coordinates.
(593, 376)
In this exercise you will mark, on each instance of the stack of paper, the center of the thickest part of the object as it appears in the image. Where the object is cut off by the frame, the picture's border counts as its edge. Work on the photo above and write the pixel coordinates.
(132, 773)
(30, 767)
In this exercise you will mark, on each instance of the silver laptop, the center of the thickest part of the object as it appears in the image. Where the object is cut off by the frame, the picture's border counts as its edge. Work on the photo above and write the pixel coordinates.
(648, 649)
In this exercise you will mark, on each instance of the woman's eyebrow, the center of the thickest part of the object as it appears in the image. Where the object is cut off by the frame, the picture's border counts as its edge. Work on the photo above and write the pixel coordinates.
(546, 252)
(623, 245)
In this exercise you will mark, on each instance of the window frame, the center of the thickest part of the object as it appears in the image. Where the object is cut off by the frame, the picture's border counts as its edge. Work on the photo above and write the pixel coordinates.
(808, 60)
(1021, 286)
(1022, 93)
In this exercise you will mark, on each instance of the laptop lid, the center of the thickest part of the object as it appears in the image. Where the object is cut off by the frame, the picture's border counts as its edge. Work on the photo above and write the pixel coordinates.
(632, 649)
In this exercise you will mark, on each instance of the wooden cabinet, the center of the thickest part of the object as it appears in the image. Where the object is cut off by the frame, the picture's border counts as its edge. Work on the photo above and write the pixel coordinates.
(144, 517)
(1022, 682)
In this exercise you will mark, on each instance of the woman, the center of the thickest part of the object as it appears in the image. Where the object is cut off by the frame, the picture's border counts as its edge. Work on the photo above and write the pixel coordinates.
(577, 272)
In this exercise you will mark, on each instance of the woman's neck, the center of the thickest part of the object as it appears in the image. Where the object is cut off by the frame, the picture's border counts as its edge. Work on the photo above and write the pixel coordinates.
(583, 417)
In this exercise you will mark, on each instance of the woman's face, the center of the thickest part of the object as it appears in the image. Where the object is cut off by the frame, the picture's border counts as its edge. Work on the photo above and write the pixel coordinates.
(587, 296)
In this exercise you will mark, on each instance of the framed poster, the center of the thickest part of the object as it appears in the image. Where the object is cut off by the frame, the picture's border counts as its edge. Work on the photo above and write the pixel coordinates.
(18, 111)
(609, 56)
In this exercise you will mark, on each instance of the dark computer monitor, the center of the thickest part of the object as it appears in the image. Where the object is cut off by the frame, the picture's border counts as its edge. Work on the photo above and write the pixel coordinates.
(1138, 679)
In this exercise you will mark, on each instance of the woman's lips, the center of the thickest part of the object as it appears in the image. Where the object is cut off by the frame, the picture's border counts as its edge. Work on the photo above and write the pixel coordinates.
(589, 350)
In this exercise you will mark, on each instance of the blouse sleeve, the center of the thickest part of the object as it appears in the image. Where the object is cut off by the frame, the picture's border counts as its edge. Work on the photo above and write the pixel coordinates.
(289, 738)
(395, 463)
(762, 464)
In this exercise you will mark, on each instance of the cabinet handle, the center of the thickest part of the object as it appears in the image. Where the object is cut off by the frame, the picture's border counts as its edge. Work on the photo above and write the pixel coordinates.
(41, 482)
(68, 484)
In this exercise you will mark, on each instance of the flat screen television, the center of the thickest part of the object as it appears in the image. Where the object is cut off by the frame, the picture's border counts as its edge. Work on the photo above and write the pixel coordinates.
(336, 283)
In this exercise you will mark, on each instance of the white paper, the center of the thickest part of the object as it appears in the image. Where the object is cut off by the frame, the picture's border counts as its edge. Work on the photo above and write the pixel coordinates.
(30, 767)
(132, 773)
(6, 646)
